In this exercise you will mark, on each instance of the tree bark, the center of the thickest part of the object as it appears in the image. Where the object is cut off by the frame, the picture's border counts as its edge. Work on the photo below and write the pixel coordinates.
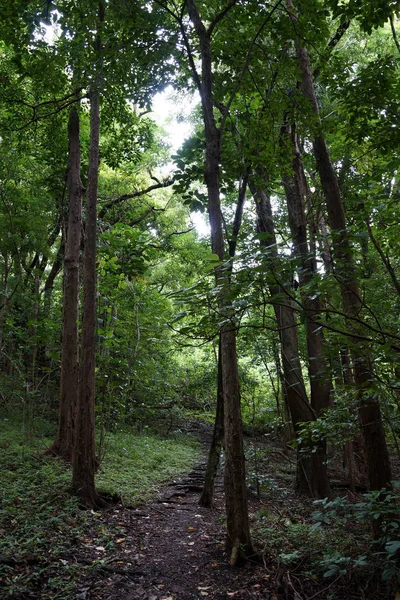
(84, 461)
(69, 381)
(320, 380)
(238, 540)
(312, 477)
(377, 456)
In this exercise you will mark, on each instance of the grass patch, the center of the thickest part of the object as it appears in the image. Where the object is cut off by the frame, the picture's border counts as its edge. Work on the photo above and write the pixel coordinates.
(135, 465)
(206, 416)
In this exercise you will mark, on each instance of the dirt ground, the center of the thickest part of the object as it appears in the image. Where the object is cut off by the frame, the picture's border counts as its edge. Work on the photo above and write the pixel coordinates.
(172, 549)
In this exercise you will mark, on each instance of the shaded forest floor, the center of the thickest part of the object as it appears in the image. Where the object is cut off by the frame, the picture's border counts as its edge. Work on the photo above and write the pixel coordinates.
(170, 549)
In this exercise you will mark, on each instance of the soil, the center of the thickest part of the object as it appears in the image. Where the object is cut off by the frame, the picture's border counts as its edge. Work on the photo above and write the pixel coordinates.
(171, 549)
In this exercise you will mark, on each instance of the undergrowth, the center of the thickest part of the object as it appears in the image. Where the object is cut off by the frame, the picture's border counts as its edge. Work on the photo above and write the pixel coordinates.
(40, 521)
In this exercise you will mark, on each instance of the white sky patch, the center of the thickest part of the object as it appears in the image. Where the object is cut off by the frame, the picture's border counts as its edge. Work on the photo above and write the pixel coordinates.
(201, 224)
(173, 114)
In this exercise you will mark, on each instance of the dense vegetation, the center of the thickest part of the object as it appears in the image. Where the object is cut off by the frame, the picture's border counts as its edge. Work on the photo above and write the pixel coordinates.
(119, 318)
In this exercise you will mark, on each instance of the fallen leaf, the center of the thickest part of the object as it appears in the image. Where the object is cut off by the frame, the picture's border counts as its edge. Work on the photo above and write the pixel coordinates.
(120, 540)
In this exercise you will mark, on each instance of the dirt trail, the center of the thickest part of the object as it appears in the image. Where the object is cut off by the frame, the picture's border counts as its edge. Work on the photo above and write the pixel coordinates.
(171, 549)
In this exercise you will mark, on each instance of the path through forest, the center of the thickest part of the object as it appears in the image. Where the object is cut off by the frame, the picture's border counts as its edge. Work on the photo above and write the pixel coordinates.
(171, 549)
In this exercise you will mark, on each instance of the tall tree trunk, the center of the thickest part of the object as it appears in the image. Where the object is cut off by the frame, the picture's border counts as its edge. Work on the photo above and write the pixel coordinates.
(312, 477)
(206, 498)
(69, 383)
(294, 184)
(84, 460)
(377, 456)
(238, 540)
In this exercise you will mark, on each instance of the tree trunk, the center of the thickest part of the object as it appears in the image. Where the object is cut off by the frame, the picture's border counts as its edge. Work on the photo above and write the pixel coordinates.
(84, 462)
(216, 444)
(69, 384)
(3, 307)
(238, 540)
(377, 457)
(312, 477)
(320, 380)
(207, 495)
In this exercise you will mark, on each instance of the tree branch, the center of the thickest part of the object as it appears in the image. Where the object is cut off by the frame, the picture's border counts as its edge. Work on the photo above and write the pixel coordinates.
(246, 63)
(394, 33)
(341, 30)
(220, 16)
(136, 194)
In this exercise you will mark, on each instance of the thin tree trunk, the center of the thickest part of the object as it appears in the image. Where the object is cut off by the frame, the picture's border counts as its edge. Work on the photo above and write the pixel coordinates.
(384, 257)
(207, 495)
(320, 380)
(238, 540)
(377, 456)
(312, 477)
(206, 498)
(84, 461)
(63, 445)
(4, 306)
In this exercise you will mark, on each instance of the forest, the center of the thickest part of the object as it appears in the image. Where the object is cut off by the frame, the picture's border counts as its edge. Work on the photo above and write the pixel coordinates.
(200, 299)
